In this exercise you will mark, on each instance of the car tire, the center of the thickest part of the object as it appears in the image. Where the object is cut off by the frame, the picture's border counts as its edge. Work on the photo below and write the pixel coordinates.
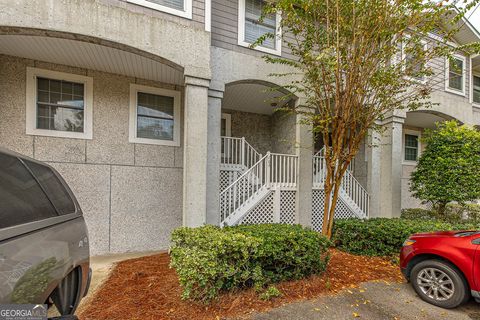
(439, 283)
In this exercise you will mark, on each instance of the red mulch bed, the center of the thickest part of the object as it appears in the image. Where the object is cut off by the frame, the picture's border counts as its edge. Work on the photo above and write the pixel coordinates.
(146, 288)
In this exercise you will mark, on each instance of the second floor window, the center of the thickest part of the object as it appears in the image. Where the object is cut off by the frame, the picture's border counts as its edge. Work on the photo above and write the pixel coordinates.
(181, 8)
(476, 89)
(252, 26)
(456, 75)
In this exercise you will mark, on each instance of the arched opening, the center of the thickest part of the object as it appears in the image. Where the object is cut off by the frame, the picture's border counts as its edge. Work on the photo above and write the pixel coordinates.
(253, 109)
(414, 128)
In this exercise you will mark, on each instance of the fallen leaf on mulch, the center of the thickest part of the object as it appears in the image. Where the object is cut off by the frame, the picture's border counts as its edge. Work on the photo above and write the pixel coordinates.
(146, 288)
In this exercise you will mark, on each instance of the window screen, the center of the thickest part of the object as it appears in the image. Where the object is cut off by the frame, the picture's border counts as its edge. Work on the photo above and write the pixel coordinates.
(254, 29)
(174, 4)
(411, 147)
(155, 116)
(476, 89)
(53, 187)
(21, 198)
(60, 105)
(455, 74)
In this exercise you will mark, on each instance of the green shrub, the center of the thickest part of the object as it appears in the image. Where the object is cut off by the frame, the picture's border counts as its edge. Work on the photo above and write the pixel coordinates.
(382, 236)
(453, 213)
(269, 293)
(210, 259)
(418, 214)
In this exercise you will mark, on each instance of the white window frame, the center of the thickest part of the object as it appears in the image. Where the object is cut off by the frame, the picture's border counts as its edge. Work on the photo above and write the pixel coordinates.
(419, 148)
(176, 95)
(425, 47)
(473, 74)
(464, 75)
(187, 4)
(474, 103)
(241, 32)
(31, 103)
(228, 124)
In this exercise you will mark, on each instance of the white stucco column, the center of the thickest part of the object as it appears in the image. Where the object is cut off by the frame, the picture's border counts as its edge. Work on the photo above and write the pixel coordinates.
(214, 153)
(195, 152)
(385, 169)
(304, 151)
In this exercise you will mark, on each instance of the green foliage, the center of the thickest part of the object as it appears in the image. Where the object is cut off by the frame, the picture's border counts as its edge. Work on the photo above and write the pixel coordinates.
(342, 67)
(454, 213)
(384, 237)
(210, 259)
(449, 168)
(269, 293)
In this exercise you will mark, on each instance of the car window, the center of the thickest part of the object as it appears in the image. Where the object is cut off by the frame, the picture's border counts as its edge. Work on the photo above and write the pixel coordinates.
(53, 187)
(21, 198)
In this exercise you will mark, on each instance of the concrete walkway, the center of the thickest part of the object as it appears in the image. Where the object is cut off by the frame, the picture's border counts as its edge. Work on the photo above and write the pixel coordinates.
(372, 301)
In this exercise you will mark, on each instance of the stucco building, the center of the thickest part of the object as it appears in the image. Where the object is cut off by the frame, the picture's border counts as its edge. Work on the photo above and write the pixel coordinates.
(158, 114)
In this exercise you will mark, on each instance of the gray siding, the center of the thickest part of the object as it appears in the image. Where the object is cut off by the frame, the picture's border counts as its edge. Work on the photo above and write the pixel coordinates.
(225, 28)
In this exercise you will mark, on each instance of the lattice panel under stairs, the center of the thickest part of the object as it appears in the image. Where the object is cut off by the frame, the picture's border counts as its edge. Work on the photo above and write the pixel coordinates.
(341, 211)
(287, 207)
(227, 177)
(262, 213)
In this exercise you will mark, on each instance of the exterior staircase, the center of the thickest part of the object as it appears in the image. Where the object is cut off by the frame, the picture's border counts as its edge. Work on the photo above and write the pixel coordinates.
(253, 177)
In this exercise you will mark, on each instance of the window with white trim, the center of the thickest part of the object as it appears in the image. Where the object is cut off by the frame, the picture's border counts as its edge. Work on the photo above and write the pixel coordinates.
(154, 115)
(411, 147)
(182, 8)
(476, 89)
(455, 75)
(59, 104)
(410, 58)
(251, 27)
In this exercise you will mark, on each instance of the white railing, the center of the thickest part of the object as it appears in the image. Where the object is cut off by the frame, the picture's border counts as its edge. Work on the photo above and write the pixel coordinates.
(272, 170)
(351, 165)
(350, 185)
(238, 152)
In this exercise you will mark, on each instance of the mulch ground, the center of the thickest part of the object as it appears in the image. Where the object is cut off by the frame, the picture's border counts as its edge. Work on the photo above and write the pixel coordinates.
(146, 288)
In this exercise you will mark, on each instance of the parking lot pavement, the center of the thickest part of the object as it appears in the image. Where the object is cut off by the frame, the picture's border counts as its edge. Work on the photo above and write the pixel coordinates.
(372, 300)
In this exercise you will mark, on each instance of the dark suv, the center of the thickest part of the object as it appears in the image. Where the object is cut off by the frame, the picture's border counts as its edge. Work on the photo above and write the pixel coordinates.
(44, 254)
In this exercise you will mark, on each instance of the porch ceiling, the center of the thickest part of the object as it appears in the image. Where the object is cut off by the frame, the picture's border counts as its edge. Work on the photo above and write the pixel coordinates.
(90, 56)
(420, 119)
(252, 97)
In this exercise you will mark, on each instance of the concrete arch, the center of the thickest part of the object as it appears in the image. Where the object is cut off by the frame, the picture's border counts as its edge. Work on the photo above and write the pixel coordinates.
(427, 118)
(113, 25)
(231, 67)
(88, 39)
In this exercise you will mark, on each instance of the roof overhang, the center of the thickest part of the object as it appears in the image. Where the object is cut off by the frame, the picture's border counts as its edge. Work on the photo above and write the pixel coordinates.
(89, 55)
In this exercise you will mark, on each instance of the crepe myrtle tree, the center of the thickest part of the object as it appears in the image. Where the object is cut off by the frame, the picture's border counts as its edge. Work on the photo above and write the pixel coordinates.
(449, 168)
(356, 61)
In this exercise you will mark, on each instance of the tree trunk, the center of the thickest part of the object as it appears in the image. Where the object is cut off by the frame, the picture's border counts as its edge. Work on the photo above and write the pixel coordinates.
(441, 207)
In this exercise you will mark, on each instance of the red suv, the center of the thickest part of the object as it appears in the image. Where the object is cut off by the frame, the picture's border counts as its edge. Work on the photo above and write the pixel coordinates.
(443, 267)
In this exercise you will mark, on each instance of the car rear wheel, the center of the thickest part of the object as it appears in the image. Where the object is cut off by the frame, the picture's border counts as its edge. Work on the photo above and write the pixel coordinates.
(439, 283)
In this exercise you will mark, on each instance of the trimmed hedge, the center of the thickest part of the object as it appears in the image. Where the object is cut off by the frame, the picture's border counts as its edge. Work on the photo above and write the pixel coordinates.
(382, 236)
(454, 213)
(210, 259)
